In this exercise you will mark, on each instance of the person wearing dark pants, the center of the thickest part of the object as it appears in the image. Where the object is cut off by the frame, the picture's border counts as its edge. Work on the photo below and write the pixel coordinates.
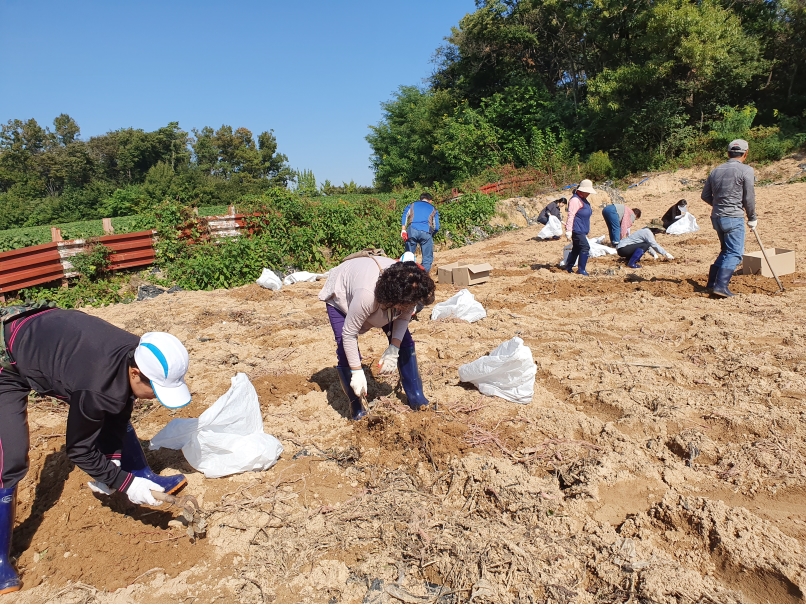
(578, 225)
(98, 370)
(635, 245)
(730, 191)
(366, 292)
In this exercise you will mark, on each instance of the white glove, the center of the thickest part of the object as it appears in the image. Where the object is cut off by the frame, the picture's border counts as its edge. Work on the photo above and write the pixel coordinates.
(388, 361)
(653, 253)
(752, 224)
(139, 491)
(404, 234)
(669, 256)
(568, 234)
(359, 382)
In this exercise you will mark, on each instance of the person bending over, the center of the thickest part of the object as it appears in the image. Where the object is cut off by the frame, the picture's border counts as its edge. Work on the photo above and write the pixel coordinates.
(634, 246)
(99, 371)
(376, 292)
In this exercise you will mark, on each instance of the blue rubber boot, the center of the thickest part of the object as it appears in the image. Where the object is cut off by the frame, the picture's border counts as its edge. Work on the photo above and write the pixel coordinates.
(721, 283)
(9, 580)
(636, 256)
(357, 411)
(709, 287)
(582, 264)
(133, 460)
(410, 377)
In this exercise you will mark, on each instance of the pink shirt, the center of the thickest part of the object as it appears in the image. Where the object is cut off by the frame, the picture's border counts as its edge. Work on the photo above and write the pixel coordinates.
(350, 288)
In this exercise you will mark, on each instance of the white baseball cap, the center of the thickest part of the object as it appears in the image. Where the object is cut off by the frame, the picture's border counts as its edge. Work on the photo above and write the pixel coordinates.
(586, 186)
(408, 257)
(164, 361)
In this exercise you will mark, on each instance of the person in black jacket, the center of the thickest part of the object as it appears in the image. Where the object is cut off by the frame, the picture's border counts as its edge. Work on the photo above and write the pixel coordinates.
(674, 214)
(98, 370)
(552, 209)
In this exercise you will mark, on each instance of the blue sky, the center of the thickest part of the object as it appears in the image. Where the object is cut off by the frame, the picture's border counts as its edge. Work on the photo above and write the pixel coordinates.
(315, 72)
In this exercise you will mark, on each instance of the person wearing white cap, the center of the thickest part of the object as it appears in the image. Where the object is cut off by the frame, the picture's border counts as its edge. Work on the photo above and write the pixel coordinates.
(578, 225)
(730, 191)
(99, 370)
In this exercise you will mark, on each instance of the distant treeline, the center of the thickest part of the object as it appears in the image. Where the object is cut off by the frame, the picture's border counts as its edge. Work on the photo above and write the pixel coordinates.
(51, 175)
(617, 85)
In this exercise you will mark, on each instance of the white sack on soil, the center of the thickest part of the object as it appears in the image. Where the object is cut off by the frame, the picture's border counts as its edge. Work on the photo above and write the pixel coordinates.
(508, 372)
(462, 305)
(597, 249)
(554, 228)
(268, 279)
(299, 276)
(685, 224)
(227, 438)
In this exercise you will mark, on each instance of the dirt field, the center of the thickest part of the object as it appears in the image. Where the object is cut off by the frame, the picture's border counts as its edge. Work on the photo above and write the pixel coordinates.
(663, 457)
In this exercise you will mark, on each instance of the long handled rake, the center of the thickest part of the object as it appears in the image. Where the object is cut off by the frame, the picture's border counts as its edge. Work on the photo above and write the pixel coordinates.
(764, 252)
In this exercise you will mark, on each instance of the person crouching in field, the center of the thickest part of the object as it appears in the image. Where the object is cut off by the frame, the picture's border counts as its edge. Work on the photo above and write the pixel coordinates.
(552, 209)
(619, 219)
(376, 292)
(674, 214)
(634, 246)
(98, 370)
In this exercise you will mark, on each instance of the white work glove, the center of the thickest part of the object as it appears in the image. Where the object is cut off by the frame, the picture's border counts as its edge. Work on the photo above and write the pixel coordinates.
(669, 256)
(752, 224)
(568, 234)
(139, 491)
(388, 361)
(404, 234)
(359, 382)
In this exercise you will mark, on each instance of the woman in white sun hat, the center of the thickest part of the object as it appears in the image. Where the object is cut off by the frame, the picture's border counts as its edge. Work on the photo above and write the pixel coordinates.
(99, 371)
(578, 225)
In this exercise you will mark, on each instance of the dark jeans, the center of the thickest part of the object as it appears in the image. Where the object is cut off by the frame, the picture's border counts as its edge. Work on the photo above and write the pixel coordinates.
(626, 251)
(579, 245)
(730, 231)
(336, 318)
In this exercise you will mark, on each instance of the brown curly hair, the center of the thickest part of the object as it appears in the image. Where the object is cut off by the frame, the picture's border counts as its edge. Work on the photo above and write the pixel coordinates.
(404, 284)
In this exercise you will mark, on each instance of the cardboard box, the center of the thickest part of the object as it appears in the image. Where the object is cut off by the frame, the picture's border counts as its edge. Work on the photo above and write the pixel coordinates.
(464, 274)
(782, 261)
(445, 273)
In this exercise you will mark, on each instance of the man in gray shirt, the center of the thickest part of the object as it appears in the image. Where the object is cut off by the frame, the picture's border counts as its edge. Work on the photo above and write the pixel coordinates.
(729, 191)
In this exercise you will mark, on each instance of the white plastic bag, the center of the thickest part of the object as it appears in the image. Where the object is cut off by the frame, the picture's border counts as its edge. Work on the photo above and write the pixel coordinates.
(597, 249)
(462, 305)
(685, 224)
(299, 276)
(508, 372)
(554, 228)
(227, 438)
(268, 279)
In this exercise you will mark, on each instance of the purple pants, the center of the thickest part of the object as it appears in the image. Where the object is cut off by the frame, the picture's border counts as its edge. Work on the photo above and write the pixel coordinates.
(337, 323)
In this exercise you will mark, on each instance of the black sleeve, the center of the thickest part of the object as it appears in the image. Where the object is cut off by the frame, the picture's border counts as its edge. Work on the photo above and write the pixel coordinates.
(668, 218)
(85, 421)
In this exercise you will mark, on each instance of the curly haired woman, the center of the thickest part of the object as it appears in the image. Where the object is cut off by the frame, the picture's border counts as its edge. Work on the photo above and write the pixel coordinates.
(376, 292)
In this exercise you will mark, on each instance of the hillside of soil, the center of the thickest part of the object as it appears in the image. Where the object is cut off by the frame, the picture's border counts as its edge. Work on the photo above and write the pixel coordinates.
(663, 457)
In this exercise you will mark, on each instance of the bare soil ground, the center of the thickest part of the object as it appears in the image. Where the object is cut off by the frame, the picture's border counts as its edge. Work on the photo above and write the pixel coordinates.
(662, 459)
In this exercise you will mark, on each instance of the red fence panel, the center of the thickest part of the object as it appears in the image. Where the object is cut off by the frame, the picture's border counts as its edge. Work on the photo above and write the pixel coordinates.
(30, 266)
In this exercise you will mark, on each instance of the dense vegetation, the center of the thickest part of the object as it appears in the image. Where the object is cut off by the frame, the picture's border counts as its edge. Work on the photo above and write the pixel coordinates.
(287, 232)
(617, 85)
(52, 176)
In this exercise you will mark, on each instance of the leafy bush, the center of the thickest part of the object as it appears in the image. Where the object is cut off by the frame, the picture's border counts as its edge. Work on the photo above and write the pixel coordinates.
(598, 166)
(93, 262)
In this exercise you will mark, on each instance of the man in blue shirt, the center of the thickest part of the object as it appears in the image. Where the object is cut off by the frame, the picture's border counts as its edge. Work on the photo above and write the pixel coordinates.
(419, 224)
